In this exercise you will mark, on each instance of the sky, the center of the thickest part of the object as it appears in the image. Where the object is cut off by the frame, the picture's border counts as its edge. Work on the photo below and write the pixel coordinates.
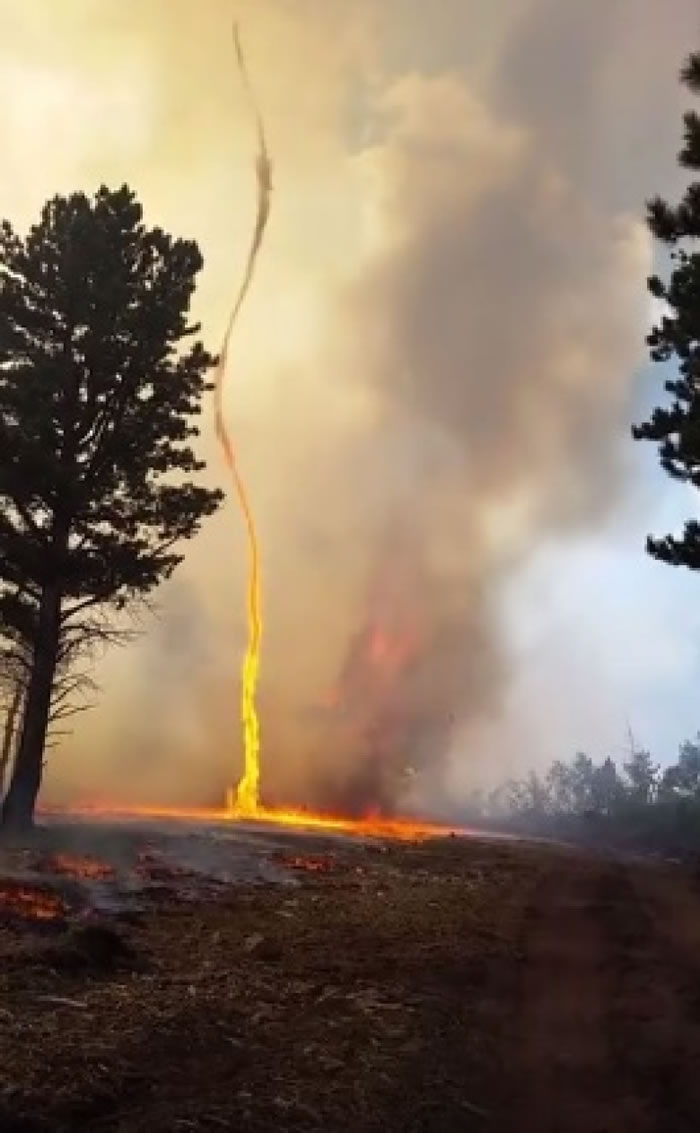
(433, 380)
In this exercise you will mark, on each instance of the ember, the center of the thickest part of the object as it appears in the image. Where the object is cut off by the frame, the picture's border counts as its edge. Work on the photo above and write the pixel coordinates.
(310, 863)
(73, 866)
(151, 866)
(30, 903)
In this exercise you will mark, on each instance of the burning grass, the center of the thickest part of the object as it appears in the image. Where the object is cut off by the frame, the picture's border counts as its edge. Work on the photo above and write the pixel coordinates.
(77, 866)
(399, 829)
(19, 901)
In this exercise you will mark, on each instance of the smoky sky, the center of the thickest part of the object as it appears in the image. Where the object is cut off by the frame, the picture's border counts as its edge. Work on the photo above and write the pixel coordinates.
(444, 339)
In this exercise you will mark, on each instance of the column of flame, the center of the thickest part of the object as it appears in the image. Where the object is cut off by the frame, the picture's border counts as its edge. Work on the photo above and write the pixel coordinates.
(245, 798)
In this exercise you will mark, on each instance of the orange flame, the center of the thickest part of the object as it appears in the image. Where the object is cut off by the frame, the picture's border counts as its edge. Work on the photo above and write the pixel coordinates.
(30, 903)
(371, 826)
(74, 866)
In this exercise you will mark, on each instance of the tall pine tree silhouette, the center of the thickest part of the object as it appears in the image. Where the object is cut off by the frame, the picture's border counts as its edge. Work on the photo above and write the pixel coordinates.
(98, 404)
(676, 426)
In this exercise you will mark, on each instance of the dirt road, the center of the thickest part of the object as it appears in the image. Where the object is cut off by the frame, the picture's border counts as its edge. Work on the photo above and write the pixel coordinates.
(432, 988)
(606, 1027)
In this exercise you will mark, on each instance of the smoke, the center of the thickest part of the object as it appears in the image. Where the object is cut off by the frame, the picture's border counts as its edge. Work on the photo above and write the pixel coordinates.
(435, 371)
(492, 351)
(390, 710)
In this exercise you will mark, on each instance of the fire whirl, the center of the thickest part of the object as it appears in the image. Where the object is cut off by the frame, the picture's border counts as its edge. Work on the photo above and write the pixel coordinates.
(386, 652)
(245, 799)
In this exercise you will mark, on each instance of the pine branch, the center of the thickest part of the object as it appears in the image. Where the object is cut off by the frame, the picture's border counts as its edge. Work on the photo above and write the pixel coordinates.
(690, 72)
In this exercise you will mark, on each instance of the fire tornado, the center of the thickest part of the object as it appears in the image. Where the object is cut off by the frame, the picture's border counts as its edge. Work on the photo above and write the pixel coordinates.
(245, 799)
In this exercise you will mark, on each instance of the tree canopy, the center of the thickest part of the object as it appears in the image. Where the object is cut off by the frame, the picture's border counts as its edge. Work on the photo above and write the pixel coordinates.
(676, 427)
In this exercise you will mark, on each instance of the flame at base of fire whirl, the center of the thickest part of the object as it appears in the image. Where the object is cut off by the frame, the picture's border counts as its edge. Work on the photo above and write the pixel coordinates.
(376, 826)
(372, 826)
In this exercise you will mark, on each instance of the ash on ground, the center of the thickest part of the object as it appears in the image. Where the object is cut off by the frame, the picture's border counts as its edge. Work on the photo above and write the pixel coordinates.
(74, 868)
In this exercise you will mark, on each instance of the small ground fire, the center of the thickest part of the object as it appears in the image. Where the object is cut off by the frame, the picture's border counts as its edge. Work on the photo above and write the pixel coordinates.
(71, 865)
(29, 903)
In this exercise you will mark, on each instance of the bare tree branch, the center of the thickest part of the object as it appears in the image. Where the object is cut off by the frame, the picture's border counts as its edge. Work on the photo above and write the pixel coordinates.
(67, 711)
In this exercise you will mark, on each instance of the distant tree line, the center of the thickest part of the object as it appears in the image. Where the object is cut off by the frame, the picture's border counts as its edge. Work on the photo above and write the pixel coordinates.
(635, 805)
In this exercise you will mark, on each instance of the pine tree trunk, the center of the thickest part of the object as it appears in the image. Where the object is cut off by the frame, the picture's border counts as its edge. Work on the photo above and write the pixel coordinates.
(8, 736)
(18, 808)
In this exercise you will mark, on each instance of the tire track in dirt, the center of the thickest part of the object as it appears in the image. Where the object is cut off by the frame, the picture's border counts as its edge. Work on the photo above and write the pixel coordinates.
(654, 921)
(559, 1046)
(645, 1015)
(606, 1037)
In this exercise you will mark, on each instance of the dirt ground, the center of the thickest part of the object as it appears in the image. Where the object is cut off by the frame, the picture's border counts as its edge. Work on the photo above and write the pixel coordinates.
(446, 986)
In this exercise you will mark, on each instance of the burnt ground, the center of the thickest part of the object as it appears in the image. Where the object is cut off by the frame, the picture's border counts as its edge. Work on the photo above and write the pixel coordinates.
(451, 985)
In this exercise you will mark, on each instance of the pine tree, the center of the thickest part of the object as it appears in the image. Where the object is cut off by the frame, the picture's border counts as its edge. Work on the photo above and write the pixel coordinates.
(98, 406)
(684, 776)
(642, 776)
(676, 427)
(582, 779)
(561, 787)
(607, 788)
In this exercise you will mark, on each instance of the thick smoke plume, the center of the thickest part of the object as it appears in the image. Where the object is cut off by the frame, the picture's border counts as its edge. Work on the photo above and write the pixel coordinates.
(438, 362)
